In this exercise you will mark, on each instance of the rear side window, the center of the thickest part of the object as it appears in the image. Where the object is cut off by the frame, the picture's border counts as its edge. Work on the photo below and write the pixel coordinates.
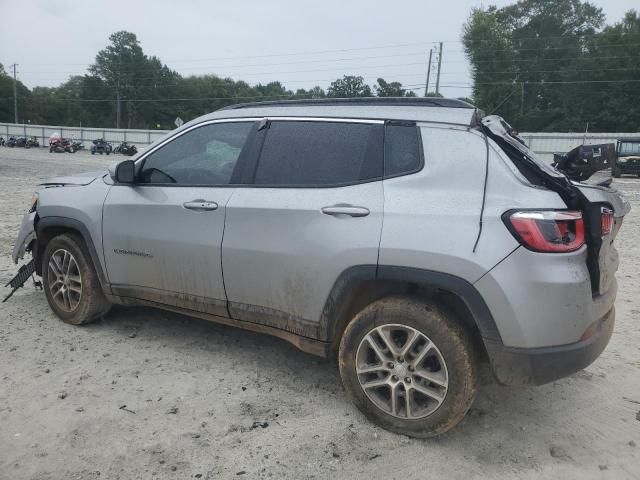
(299, 153)
(402, 152)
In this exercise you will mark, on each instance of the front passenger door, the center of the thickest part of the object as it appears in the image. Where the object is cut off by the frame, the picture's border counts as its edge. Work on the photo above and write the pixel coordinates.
(163, 235)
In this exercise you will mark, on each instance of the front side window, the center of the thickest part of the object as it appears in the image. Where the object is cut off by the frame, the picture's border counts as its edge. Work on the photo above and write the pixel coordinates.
(204, 156)
(309, 153)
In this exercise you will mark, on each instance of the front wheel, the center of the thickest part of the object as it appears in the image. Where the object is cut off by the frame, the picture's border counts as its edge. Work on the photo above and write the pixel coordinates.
(70, 281)
(409, 366)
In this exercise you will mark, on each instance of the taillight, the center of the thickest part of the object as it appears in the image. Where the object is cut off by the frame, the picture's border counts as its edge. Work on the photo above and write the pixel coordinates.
(606, 221)
(548, 231)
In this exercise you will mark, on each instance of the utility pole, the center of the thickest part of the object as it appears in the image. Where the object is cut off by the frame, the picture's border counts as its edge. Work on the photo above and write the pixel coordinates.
(118, 106)
(15, 94)
(439, 65)
(118, 93)
(426, 87)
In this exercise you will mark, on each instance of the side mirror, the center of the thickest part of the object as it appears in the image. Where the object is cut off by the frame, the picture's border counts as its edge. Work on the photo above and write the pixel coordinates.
(124, 172)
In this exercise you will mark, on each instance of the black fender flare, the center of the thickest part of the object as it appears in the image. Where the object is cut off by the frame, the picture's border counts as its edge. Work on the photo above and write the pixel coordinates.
(337, 301)
(43, 223)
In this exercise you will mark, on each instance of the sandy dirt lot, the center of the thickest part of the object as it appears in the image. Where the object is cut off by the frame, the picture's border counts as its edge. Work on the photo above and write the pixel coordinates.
(150, 394)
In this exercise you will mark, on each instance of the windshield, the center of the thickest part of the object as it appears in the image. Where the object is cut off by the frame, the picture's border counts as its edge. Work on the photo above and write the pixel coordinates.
(629, 148)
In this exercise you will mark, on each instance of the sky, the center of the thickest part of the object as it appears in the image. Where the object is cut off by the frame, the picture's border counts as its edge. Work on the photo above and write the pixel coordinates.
(301, 44)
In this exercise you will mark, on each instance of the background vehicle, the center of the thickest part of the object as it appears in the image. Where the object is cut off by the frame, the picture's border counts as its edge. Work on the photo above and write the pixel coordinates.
(627, 157)
(61, 145)
(126, 149)
(2, 141)
(76, 145)
(346, 234)
(31, 142)
(16, 142)
(583, 161)
(100, 146)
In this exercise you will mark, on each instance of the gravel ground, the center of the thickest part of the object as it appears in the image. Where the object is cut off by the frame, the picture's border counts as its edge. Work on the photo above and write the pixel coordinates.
(150, 394)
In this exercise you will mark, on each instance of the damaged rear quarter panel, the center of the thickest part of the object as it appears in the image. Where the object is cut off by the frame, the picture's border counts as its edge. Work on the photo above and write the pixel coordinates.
(432, 217)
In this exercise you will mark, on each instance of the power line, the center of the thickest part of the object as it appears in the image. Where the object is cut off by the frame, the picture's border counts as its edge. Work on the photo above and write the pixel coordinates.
(380, 47)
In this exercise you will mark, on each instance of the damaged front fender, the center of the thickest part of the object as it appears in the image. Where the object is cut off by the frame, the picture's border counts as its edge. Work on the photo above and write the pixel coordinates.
(26, 236)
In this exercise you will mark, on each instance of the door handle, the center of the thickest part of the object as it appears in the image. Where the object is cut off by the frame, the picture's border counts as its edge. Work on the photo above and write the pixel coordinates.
(345, 209)
(200, 205)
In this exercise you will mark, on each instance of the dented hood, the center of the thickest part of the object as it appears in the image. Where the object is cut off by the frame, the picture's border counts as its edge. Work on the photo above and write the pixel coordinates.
(74, 180)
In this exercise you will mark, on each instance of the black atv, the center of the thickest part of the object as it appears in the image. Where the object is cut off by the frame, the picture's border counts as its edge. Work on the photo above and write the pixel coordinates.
(101, 146)
(76, 145)
(126, 149)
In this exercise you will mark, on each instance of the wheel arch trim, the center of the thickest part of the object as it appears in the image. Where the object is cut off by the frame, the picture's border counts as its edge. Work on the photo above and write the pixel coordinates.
(337, 303)
(44, 223)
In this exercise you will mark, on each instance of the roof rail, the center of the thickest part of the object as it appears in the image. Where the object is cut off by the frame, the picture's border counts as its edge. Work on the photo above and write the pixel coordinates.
(358, 101)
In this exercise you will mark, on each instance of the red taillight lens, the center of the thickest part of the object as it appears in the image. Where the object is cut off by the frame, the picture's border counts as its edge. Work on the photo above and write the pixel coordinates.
(548, 231)
(606, 221)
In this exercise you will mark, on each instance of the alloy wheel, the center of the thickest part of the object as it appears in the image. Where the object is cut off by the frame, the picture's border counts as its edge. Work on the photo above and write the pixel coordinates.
(401, 371)
(65, 281)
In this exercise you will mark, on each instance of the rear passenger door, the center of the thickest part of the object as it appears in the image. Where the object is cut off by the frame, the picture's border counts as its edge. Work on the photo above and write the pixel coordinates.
(313, 209)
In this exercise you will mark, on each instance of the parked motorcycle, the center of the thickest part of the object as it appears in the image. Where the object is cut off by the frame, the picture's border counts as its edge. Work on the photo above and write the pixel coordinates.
(126, 149)
(101, 146)
(2, 142)
(31, 142)
(16, 142)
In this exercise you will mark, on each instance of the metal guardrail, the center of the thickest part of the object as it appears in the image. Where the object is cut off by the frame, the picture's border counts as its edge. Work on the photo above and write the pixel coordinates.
(82, 134)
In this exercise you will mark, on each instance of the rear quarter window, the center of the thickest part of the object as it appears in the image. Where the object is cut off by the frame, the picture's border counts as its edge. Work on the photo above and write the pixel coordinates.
(402, 151)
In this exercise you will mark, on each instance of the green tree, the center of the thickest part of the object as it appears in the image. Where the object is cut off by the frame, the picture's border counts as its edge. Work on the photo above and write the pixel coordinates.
(533, 63)
(349, 86)
(133, 78)
(25, 102)
(391, 89)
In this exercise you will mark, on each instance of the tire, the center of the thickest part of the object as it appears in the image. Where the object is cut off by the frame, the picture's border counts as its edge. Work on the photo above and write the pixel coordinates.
(452, 363)
(76, 308)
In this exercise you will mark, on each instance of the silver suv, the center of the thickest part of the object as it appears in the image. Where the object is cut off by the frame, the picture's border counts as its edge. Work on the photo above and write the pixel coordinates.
(410, 239)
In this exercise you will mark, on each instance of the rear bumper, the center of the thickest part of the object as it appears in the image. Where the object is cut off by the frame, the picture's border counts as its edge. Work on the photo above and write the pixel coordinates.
(536, 366)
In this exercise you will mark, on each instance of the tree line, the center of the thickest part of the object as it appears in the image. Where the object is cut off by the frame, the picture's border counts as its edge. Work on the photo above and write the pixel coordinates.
(151, 95)
(554, 65)
(544, 65)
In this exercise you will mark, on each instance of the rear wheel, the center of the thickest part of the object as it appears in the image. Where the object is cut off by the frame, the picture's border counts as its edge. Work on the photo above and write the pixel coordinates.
(70, 281)
(409, 366)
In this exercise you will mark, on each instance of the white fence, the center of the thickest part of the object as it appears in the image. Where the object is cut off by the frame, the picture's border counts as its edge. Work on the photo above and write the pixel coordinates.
(545, 144)
(85, 135)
